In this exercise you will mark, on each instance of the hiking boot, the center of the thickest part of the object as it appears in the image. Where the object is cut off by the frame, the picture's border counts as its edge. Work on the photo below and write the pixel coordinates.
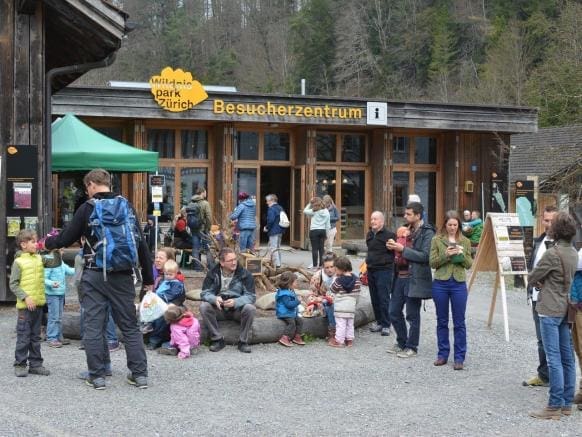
(535, 381)
(298, 340)
(375, 328)
(334, 343)
(406, 353)
(385, 332)
(395, 349)
(578, 398)
(458, 366)
(40, 370)
(439, 362)
(552, 413)
(137, 381)
(349, 343)
(244, 347)
(566, 411)
(217, 345)
(97, 383)
(55, 343)
(113, 346)
(168, 351)
(21, 371)
(284, 340)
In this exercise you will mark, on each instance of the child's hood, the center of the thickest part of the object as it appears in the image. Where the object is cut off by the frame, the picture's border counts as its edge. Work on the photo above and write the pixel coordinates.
(347, 282)
(187, 320)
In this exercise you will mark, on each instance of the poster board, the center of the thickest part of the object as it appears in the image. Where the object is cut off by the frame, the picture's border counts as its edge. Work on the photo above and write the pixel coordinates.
(501, 251)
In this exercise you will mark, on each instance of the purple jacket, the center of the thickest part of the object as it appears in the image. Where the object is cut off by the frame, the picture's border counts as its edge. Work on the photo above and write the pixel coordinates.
(185, 335)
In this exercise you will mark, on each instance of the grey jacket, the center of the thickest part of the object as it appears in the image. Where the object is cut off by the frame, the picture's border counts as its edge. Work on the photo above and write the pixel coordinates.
(418, 259)
(553, 297)
(241, 288)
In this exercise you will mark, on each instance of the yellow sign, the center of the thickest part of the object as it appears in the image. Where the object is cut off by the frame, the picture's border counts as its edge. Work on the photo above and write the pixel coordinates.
(176, 90)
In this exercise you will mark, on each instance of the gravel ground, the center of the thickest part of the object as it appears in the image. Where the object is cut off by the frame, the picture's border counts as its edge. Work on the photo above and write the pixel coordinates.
(313, 390)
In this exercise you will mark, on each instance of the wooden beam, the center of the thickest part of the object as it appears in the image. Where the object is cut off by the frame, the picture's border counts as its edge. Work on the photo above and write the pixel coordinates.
(27, 7)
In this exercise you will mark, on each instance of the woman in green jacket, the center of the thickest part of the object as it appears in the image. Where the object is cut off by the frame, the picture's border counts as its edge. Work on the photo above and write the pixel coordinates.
(450, 255)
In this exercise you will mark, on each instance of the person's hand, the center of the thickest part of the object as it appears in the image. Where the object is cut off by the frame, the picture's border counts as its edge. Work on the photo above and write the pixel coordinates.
(228, 303)
(29, 301)
(219, 302)
(393, 245)
(55, 284)
(451, 251)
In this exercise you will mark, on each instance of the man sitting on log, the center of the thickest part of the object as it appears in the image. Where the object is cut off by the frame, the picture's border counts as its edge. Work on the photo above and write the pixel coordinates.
(228, 292)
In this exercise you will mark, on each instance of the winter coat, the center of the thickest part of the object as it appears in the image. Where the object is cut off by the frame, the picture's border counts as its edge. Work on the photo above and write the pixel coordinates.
(245, 213)
(345, 289)
(448, 267)
(286, 303)
(185, 334)
(420, 284)
(319, 218)
(27, 279)
(241, 287)
(172, 291)
(203, 210)
(273, 215)
(379, 257)
(57, 274)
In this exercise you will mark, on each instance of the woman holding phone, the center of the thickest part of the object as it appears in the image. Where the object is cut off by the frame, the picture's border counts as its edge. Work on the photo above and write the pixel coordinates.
(450, 255)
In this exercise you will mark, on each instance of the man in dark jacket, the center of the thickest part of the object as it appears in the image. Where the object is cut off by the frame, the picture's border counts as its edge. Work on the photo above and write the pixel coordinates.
(229, 291)
(380, 262)
(413, 283)
(272, 228)
(117, 290)
(540, 245)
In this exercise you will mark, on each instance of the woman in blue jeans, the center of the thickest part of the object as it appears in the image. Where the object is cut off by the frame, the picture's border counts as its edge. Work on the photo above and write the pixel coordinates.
(553, 276)
(450, 255)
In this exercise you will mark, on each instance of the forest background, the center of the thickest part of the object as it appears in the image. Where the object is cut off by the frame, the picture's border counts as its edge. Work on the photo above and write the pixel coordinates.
(517, 52)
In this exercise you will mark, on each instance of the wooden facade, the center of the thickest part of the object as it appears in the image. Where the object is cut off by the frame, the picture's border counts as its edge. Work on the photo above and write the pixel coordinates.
(437, 149)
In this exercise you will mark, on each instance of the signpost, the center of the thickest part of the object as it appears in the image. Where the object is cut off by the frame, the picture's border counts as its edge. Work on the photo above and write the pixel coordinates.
(501, 251)
(157, 183)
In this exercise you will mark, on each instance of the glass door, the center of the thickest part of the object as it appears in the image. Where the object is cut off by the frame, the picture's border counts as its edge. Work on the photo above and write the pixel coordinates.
(297, 205)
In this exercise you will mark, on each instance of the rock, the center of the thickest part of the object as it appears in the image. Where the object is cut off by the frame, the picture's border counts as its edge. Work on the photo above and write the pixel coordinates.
(266, 302)
(193, 294)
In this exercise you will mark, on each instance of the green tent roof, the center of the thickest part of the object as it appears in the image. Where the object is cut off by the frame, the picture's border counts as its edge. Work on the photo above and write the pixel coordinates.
(76, 146)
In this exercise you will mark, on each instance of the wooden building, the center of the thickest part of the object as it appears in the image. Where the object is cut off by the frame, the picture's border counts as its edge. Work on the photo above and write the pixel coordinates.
(368, 155)
(44, 45)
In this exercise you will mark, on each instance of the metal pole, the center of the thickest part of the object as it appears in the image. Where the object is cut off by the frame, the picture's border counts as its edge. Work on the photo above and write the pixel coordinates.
(156, 230)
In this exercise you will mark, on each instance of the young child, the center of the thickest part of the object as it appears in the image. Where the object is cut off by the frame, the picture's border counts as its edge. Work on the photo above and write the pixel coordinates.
(286, 303)
(346, 289)
(55, 286)
(184, 332)
(27, 283)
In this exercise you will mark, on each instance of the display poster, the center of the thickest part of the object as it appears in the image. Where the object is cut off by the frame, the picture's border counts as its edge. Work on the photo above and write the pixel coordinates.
(498, 193)
(31, 223)
(13, 224)
(22, 192)
(525, 205)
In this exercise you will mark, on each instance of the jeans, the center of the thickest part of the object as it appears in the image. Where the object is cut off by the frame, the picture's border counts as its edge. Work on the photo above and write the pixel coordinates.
(246, 239)
(55, 304)
(406, 338)
(274, 244)
(200, 244)
(558, 347)
(455, 293)
(110, 332)
(543, 364)
(317, 238)
(328, 308)
(28, 338)
(160, 334)
(380, 285)
(344, 329)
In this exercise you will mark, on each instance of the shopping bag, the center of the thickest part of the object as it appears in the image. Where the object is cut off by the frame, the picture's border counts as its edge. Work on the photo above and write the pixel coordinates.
(152, 307)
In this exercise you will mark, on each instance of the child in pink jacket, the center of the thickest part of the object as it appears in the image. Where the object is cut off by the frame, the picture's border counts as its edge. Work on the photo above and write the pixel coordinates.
(184, 330)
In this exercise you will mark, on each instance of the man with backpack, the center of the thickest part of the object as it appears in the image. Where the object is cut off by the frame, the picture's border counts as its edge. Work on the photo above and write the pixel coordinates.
(114, 246)
(199, 219)
(274, 227)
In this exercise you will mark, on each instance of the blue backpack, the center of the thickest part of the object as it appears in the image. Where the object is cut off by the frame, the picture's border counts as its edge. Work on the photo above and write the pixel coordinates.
(114, 225)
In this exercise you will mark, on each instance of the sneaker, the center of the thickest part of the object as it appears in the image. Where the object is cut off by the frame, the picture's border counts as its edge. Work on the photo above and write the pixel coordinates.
(217, 345)
(168, 351)
(81, 347)
(535, 381)
(547, 413)
(21, 371)
(114, 346)
(244, 347)
(55, 343)
(385, 332)
(458, 366)
(349, 343)
(284, 340)
(298, 340)
(137, 381)
(334, 343)
(406, 353)
(375, 328)
(395, 349)
(97, 383)
(65, 342)
(40, 370)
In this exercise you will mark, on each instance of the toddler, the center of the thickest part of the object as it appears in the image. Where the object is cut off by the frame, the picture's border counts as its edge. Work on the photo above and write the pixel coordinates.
(184, 331)
(27, 284)
(55, 286)
(346, 289)
(286, 303)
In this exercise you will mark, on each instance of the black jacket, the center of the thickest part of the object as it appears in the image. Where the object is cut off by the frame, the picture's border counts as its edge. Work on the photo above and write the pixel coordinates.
(79, 227)
(418, 259)
(241, 288)
(379, 257)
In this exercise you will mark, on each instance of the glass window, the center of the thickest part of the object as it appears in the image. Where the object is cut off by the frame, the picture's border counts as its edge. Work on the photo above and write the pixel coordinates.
(354, 148)
(195, 144)
(401, 186)
(191, 179)
(246, 181)
(425, 187)
(167, 205)
(247, 146)
(325, 183)
(425, 150)
(352, 211)
(401, 150)
(161, 141)
(326, 146)
(276, 146)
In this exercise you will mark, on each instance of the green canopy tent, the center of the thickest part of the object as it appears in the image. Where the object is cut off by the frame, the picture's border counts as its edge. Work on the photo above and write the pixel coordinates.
(78, 147)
